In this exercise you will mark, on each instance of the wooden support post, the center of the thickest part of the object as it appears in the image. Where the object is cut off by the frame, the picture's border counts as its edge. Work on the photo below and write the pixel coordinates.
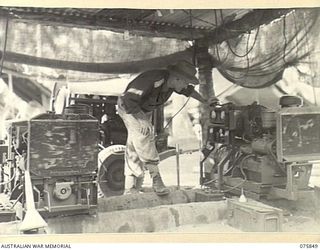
(206, 85)
(206, 88)
(158, 120)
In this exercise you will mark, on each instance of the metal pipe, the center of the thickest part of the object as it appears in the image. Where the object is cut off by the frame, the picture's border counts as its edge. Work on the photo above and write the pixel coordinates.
(39, 195)
(178, 165)
(49, 201)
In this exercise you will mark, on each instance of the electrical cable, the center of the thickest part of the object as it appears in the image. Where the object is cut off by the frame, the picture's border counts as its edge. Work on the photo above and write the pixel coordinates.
(285, 41)
(176, 113)
(209, 182)
(248, 50)
(275, 158)
(248, 39)
(8, 181)
(237, 55)
(296, 31)
(218, 54)
(242, 172)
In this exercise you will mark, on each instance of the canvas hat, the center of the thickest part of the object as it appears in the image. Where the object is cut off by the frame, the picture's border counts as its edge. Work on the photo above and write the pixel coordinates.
(185, 70)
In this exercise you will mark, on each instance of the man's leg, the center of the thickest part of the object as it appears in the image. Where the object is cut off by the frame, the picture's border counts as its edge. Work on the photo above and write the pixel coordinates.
(146, 149)
(134, 171)
(157, 183)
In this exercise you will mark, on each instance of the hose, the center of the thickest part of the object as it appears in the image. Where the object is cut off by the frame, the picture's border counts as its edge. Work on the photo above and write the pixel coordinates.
(242, 172)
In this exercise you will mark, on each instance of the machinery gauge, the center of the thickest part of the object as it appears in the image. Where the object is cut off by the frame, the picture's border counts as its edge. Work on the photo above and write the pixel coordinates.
(223, 115)
(213, 114)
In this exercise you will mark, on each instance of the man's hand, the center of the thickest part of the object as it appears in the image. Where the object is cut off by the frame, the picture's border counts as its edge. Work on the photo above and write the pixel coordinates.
(145, 128)
(212, 101)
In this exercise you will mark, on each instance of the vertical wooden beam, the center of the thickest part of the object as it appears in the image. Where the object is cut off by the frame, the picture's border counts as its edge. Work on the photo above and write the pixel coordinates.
(158, 120)
(206, 89)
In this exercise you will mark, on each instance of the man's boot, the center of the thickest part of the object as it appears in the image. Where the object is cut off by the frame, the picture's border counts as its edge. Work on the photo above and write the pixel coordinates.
(129, 186)
(139, 183)
(157, 183)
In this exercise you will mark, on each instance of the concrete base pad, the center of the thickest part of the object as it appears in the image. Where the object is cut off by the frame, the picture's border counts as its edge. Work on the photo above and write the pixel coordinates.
(145, 212)
(153, 219)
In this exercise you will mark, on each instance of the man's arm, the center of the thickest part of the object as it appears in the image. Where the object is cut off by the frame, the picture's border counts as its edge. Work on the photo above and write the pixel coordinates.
(134, 93)
(191, 92)
(195, 95)
(210, 101)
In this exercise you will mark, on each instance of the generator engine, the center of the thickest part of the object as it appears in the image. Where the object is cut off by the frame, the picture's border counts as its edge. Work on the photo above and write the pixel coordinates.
(60, 151)
(266, 153)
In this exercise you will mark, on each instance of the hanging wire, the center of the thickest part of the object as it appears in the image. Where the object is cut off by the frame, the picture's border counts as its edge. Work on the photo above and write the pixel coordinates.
(296, 32)
(248, 39)
(11, 179)
(176, 113)
(245, 177)
(247, 50)
(237, 55)
(5, 44)
(218, 54)
(285, 41)
(229, 49)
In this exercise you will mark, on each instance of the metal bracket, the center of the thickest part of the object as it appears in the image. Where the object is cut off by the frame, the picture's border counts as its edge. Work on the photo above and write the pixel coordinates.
(293, 185)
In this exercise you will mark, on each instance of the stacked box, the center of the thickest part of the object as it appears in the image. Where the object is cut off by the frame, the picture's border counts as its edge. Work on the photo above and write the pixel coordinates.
(253, 216)
(203, 196)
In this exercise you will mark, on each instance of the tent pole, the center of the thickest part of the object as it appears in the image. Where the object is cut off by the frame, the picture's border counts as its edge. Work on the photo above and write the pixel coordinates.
(206, 88)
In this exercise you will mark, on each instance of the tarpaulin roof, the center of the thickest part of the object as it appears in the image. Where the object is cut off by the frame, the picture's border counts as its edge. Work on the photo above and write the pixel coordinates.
(249, 47)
